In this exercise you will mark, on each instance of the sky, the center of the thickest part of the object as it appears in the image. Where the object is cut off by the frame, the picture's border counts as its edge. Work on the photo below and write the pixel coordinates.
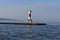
(42, 10)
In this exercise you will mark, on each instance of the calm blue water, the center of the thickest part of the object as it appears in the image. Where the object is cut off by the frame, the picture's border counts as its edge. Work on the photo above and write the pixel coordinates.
(29, 32)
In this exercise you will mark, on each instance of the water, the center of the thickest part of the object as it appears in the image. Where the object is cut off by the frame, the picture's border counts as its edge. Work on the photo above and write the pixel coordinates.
(29, 32)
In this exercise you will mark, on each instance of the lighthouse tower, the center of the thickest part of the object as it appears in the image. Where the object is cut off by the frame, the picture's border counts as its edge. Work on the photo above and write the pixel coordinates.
(29, 20)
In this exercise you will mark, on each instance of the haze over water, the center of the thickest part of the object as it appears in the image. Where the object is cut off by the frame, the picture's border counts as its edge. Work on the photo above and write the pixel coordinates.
(42, 10)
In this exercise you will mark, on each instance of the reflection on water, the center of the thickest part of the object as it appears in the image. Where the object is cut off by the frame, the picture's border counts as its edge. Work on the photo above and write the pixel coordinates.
(29, 27)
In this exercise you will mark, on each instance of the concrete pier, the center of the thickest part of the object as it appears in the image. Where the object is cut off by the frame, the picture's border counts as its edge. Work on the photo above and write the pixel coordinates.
(21, 23)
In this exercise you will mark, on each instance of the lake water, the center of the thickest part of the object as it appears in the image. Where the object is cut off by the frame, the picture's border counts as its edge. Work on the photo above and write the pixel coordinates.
(29, 32)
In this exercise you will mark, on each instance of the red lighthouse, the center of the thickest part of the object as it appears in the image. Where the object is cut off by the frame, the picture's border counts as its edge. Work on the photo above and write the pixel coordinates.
(29, 16)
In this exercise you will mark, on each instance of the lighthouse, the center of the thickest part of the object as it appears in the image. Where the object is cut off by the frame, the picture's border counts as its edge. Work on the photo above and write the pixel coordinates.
(29, 20)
